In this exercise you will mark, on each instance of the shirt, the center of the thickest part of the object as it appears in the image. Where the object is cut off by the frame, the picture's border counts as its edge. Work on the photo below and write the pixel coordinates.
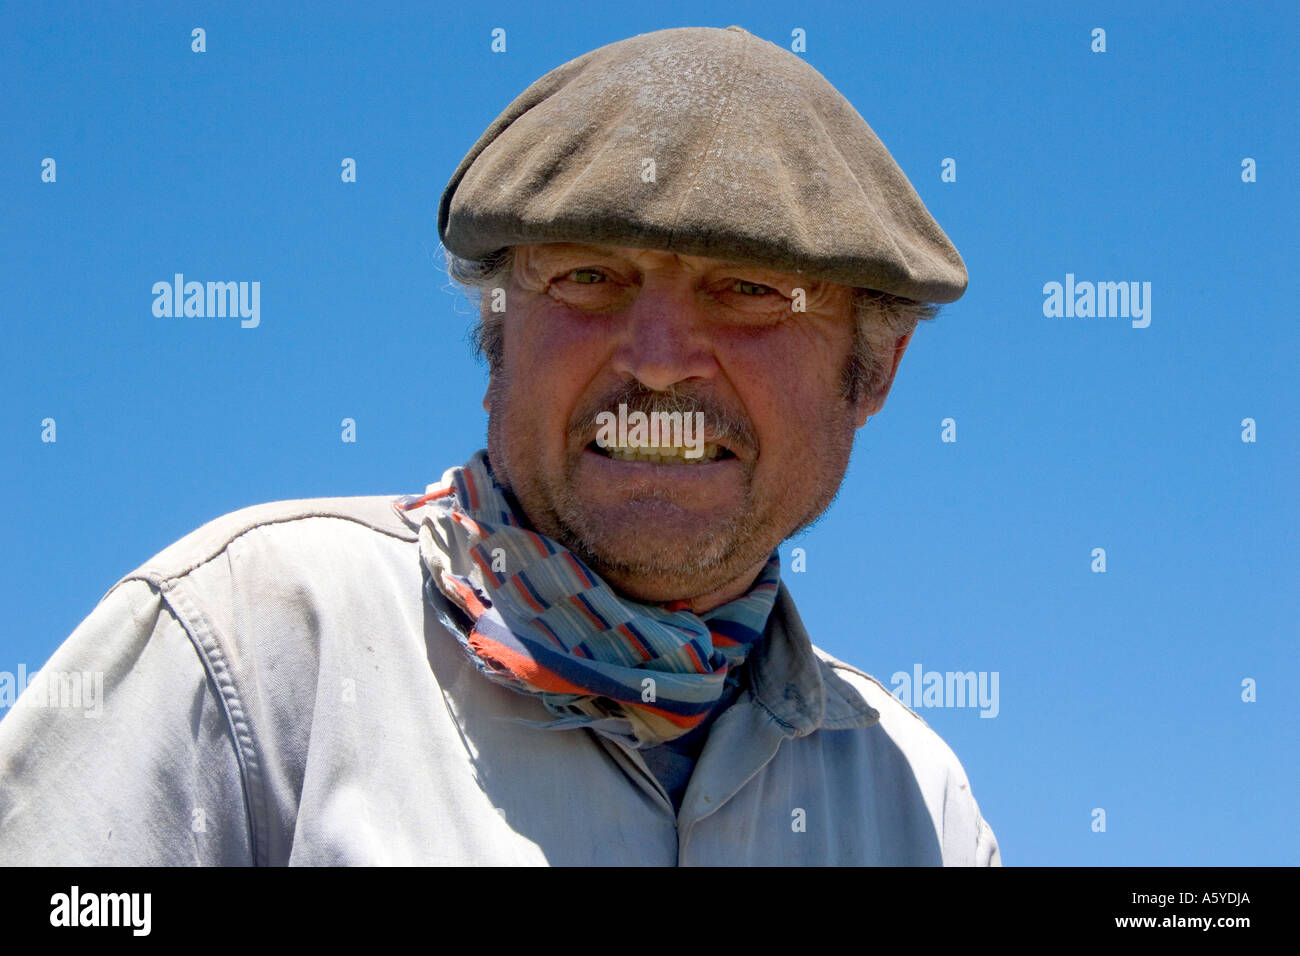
(276, 691)
(673, 761)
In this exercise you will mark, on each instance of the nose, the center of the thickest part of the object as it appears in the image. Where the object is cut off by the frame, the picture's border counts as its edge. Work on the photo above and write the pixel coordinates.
(663, 336)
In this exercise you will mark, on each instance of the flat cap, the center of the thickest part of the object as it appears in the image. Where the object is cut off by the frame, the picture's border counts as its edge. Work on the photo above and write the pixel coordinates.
(704, 142)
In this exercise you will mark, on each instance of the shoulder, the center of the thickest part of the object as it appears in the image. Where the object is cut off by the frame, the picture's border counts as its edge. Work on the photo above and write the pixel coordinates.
(965, 837)
(844, 679)
(300, 527)
(917, 739)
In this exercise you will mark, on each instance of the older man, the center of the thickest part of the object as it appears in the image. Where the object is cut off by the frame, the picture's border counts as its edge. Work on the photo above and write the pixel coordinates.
(575, 648)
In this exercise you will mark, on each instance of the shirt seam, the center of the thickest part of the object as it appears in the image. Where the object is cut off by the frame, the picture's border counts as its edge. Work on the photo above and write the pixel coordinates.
(160, 576)
(840, 665)
(217, 668)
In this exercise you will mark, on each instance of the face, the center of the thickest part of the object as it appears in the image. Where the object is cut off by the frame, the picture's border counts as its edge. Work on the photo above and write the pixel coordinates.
(588, 328)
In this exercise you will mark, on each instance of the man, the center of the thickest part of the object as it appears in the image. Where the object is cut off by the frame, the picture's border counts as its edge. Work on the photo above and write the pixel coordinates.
(700, 272)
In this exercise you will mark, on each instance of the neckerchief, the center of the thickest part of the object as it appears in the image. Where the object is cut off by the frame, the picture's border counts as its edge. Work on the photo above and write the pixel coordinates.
(533, 617)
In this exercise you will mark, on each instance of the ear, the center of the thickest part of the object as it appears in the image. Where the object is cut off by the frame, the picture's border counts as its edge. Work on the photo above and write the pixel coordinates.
(487, 407)
(869, 405)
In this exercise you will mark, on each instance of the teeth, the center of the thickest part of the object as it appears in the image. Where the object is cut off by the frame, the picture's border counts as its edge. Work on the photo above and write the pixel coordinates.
(675, 455)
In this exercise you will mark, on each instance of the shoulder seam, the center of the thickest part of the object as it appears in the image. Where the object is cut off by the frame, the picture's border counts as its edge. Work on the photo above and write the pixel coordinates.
(836, 663)
(158, 576)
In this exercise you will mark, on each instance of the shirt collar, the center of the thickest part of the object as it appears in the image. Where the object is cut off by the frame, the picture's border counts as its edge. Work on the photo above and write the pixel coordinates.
(798, 687)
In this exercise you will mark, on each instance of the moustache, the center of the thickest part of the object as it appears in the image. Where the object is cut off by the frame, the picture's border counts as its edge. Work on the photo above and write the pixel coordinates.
(724, 426)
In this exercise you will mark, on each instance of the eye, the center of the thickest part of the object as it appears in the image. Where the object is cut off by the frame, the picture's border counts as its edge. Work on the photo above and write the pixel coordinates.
(745, 287)
(590, 288)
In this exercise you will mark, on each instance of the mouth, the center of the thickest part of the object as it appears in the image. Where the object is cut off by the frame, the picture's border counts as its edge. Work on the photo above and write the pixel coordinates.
(663, 454)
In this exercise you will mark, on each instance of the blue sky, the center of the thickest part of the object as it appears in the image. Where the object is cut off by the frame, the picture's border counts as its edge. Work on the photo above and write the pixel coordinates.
(1119, 690)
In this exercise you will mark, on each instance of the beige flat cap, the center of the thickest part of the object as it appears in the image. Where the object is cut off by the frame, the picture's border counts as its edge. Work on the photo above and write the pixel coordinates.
(705, 142)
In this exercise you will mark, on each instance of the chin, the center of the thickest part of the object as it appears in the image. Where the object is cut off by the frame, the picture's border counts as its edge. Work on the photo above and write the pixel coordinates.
(658, 533)
(662, 564)
(661, 584)
(657, 555)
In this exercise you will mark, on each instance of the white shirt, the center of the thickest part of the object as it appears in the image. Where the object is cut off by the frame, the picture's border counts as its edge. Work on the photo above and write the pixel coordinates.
(275, 691)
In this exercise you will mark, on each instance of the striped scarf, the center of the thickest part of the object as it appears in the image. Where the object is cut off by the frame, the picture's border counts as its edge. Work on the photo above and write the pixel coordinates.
(533, 617)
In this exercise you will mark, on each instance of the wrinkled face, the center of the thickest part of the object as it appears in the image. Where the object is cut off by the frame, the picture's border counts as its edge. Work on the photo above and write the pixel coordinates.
(588, 328)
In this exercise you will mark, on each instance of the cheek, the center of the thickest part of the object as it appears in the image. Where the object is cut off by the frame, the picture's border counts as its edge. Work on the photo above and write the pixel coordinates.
(548, 361)
(791, 383)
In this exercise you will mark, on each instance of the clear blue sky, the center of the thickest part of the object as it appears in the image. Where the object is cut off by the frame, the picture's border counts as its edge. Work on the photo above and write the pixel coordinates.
(1119, 690)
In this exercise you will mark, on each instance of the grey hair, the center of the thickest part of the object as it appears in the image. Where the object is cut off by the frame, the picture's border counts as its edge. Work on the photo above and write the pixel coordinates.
(880, 319)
